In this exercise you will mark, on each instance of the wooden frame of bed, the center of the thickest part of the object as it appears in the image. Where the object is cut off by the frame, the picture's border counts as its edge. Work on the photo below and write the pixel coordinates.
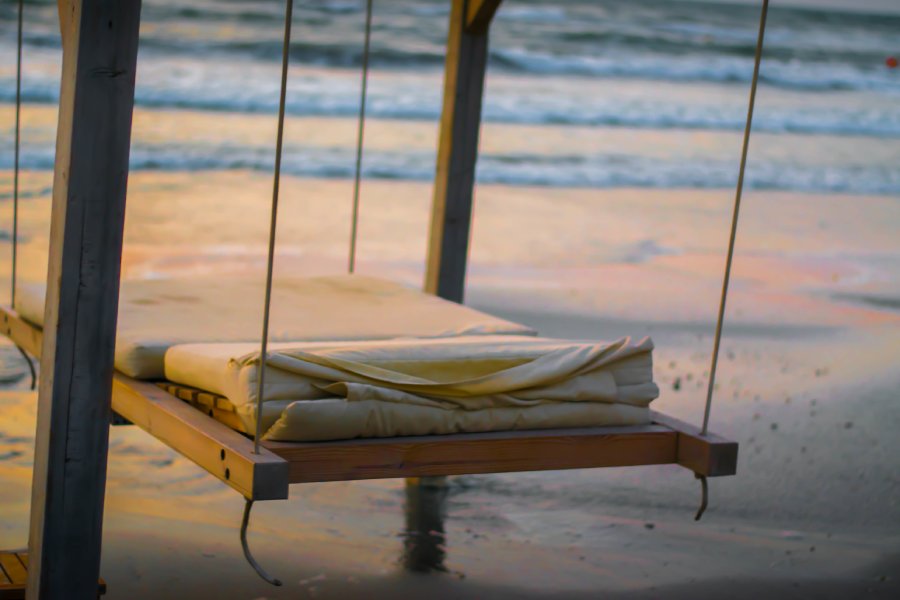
(204, 428)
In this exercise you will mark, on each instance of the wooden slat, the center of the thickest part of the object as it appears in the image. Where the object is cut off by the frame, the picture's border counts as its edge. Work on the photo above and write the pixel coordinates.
(5, 581)
(479, 14)
(100, 41)
(451, 209)
(220, 450)
(17, 563)
(217, 407)
(710, 454)
(460, 454)
(13, 568)
(13, 576)
(21, 332)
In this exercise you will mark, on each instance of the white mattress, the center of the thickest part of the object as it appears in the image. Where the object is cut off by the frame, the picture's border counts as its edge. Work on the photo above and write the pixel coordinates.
(157, 314)
(341, 390)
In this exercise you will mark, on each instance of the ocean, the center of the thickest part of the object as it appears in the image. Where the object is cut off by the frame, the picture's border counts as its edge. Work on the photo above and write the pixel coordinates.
(654, 92)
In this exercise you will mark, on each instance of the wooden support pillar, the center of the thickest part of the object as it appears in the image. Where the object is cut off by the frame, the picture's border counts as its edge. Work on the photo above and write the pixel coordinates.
(451, 211)
(100, 41)
(454, 182)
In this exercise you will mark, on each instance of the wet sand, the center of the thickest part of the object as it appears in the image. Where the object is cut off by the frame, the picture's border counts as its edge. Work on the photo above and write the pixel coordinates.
(811, 514)
(808, 385)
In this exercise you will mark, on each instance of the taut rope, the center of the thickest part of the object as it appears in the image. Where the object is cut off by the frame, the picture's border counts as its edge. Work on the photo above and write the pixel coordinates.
(17, 144)
(364, 84)
(16, 150)
(734, 217)
(273, 223)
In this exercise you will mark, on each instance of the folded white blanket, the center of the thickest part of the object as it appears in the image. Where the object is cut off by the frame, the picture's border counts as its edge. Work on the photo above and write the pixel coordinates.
(338, 390)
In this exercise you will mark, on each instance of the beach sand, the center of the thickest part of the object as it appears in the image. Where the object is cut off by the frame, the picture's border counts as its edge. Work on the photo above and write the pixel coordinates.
(808, 385)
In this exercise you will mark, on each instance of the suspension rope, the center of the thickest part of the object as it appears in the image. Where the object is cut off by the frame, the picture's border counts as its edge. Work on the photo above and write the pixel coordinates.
(270, 262)
(364, 84)
(16, 144)
(734, 217)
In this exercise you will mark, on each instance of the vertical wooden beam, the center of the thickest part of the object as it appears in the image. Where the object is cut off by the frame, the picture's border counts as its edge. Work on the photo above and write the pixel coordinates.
(454, 183)
(479, 14)
(451, 210)
(100, 40)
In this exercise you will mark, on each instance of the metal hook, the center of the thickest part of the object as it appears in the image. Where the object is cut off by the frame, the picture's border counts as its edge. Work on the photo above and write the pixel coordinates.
(30, 366)
(704, 496)
(245, 522)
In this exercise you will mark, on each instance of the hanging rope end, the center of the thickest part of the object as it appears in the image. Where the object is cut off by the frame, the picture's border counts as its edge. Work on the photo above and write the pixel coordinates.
(31, 368)
(704, 496)
(245, 522)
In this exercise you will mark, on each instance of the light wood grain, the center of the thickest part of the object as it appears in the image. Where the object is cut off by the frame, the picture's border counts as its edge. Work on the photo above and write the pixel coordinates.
(217, 407)
(459, 454)
(451, 210)
(710, 454)
(223, 452)
(100, 40)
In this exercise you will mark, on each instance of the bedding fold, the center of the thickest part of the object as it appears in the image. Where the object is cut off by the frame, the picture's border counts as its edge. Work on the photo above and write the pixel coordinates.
(383, 388)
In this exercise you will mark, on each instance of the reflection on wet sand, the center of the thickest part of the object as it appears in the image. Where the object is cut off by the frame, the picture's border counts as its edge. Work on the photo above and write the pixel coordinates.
(424, 538)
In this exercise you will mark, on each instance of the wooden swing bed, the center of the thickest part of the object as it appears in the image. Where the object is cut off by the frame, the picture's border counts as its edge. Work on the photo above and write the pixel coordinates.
(203, 426)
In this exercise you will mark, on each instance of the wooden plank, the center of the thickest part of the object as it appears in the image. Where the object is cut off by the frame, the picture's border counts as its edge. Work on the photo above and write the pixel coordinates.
(220, 450)
(100, 40)
(459, 454)
(197, 397)
(5, 581)
(219, 408)
(21, 332)
(451, 210)
(17, 562)
(710, 454)
(13, 568)
(479, 14)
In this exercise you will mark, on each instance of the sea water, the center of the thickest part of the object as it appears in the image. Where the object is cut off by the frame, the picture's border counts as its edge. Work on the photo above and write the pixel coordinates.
(674, 75)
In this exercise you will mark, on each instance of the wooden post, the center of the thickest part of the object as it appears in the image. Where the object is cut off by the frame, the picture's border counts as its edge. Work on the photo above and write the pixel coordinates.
(451, 210)
(100, 40)
(454, 181)
(479, 14)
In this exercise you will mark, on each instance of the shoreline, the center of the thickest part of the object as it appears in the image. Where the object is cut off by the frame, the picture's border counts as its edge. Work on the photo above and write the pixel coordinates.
(613, 253)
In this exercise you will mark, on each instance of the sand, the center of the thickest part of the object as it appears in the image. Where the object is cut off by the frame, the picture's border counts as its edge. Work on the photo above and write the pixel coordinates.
(808, 385)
